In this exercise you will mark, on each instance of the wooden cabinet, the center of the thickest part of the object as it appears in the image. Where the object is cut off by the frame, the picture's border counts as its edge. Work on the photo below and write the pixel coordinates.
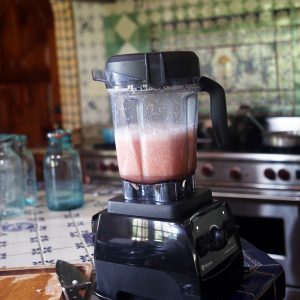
(29, 97)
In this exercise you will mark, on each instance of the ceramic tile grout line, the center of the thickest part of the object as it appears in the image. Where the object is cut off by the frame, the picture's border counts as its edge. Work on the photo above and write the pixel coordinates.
(38, 233)
(82, 240)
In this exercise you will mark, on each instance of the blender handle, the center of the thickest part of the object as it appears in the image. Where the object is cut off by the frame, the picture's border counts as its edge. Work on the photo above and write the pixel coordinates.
(218, 109)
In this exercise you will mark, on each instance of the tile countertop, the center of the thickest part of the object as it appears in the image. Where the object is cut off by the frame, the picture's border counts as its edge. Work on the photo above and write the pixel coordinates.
(41, 236)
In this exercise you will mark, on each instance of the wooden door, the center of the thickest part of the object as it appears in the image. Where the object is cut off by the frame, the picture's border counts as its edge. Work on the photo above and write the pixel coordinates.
(29, 97)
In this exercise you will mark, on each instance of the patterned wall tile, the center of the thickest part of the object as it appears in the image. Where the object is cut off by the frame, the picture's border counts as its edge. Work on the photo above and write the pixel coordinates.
(126, 33)
(250, 55)
(91, 55)
(102, 30)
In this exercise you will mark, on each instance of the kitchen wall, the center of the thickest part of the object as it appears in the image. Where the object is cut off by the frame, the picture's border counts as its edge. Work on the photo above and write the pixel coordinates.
(252, 47)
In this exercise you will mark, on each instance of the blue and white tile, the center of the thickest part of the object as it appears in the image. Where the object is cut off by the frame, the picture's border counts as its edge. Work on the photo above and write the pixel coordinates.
(18, 261)
(70, 254)
(15, 248)
(59, 242)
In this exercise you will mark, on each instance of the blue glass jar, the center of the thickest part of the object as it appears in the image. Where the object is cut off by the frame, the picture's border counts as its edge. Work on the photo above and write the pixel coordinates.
(28, 166)
(12, 199)
(62, 173)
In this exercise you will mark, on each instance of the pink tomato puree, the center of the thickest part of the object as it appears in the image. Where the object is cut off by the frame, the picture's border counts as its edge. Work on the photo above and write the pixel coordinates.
(155, 155)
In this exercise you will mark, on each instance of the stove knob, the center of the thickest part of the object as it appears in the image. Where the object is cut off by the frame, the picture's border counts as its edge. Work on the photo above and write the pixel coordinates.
(113, 167)
(235, 173)
(284, 174)
(207, 170)
(87, 179)
(103, 167)
(270, 174)
(218, 238)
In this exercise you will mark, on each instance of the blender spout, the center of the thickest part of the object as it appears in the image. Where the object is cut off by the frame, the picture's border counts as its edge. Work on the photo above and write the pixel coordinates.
(99, 75)
(112, 79)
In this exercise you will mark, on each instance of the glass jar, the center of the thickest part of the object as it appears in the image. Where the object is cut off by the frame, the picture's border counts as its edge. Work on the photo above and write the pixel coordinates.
(12, 199)
(28, 164)
(62, 173)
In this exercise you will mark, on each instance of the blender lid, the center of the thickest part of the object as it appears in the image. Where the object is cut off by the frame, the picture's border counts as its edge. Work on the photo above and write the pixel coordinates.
(156, 69)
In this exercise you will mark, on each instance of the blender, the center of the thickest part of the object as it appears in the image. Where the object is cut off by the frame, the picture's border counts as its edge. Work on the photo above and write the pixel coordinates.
(163, 238)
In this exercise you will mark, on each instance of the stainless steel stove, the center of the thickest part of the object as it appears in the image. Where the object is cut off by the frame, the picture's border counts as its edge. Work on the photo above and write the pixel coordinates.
(263, 190)
(250, 170)
(99, 164)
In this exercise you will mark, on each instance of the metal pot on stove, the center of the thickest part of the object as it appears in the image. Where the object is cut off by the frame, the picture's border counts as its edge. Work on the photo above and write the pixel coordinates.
(282, 132)
(279, 132)
(276, 132)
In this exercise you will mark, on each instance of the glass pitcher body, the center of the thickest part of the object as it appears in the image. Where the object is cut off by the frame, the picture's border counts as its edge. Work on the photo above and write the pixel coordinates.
(155, 133)
(155, 113)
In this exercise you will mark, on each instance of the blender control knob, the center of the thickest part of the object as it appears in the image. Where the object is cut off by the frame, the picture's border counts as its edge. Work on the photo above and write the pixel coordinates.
(207, 170)
(235, 173)
(270, 174)
(218, 238)
(284, 174)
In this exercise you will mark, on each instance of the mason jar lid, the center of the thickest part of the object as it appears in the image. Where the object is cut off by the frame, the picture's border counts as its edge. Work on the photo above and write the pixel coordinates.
(21, 138)
(156, 69)
(4, 138)
(58, 134)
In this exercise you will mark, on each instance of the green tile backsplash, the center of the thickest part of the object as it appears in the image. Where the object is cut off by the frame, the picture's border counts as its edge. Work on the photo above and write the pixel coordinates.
(125, 33)
(252, 47)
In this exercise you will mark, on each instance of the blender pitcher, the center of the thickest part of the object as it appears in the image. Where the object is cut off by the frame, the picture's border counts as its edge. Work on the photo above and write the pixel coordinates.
(163, 232)
(155, 114)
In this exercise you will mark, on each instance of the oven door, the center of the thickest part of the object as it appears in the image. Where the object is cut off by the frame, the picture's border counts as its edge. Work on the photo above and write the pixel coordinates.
(272, 224)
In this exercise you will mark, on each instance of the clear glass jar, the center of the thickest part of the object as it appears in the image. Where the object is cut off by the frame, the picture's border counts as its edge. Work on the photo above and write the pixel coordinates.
(12, 199)
(62, 173)
(28, 164)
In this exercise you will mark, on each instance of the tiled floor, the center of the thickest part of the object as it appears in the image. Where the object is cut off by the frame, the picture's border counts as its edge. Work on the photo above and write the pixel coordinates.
(41, 236)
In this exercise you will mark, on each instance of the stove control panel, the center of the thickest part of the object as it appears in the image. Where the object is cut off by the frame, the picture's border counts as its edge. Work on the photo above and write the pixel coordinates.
(253, 170)
(95, 167)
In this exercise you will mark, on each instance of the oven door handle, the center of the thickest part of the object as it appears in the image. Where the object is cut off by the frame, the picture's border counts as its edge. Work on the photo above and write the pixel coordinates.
(295, 201)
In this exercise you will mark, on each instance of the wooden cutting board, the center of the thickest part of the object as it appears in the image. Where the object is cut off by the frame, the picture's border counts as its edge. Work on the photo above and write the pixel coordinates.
(36, 283)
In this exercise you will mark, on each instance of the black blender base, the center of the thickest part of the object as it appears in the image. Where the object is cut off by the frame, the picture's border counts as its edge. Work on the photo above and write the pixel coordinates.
(141, 283)
(170, 211)
(197, 256)
(155, 286)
